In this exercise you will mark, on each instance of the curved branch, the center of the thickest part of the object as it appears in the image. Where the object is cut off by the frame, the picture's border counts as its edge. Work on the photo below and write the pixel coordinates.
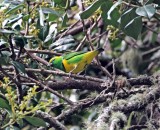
(75, 84)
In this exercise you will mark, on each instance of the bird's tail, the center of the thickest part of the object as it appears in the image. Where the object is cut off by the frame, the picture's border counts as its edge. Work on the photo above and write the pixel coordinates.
(100, 50)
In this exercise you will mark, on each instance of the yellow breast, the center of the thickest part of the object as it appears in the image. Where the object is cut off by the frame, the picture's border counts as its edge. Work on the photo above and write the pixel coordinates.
(74, 68)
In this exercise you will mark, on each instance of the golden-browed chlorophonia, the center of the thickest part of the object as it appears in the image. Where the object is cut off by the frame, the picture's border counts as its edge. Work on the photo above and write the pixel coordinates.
(74, 62)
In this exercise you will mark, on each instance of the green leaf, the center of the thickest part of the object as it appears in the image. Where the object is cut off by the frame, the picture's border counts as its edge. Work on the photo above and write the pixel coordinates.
(146, 11)
(61, 3)
(116, 44)
(113, 8)
(52, 17)
(43, 32)
(52, 14)
(20, 122)
(26, 17)
(20, 41)
(58, 1)
(51, 34)
(17, 27)
(63, 44)
(65, 19)
(134, 27)
(126, 17)
(5, 104)
(105, 8)
(4, 57)
(12, 2)
(14, 18)
(35, 121)
(41, 17)
(50, 11)
(4, 60)
(114, 14)
(12, 10)
(19, 66)
(91, 9)
(114, 18)
(5, 53)
(3, 44)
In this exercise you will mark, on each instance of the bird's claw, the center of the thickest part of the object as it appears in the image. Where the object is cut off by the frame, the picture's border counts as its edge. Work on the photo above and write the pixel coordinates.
(69, 75)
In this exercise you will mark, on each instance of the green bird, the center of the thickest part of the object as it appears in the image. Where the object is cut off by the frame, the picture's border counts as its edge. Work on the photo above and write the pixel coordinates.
(74, 62)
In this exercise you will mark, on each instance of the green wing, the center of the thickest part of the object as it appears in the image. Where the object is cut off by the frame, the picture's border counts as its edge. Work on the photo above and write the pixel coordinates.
(72, 54)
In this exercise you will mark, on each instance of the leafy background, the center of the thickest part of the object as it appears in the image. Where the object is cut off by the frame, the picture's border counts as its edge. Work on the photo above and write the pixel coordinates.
(120, 89)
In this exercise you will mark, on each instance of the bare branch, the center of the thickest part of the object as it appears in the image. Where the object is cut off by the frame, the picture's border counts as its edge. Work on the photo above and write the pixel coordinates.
(52, 121)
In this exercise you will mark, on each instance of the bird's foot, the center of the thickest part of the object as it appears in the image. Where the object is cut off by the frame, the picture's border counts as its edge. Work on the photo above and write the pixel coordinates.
(70, 74)
(69, 77)
(84, 75)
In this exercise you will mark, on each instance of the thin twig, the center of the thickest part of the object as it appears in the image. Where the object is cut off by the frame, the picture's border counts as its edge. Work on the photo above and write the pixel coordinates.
(11, 78)
(49, 89)
(65, 74)
(82, 105)
(151, 29)
(52, 121)
(43, 52)
(106, 72)
(70, 27)
(150, 51)
(114, 78)
(27, 22)
(81, 43)
(34, 57)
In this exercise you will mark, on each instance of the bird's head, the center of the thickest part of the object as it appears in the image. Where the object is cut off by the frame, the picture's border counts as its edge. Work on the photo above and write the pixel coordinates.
(57, 62)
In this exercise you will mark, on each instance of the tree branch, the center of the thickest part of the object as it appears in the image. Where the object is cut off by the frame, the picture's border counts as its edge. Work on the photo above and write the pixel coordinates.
(52, 122)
